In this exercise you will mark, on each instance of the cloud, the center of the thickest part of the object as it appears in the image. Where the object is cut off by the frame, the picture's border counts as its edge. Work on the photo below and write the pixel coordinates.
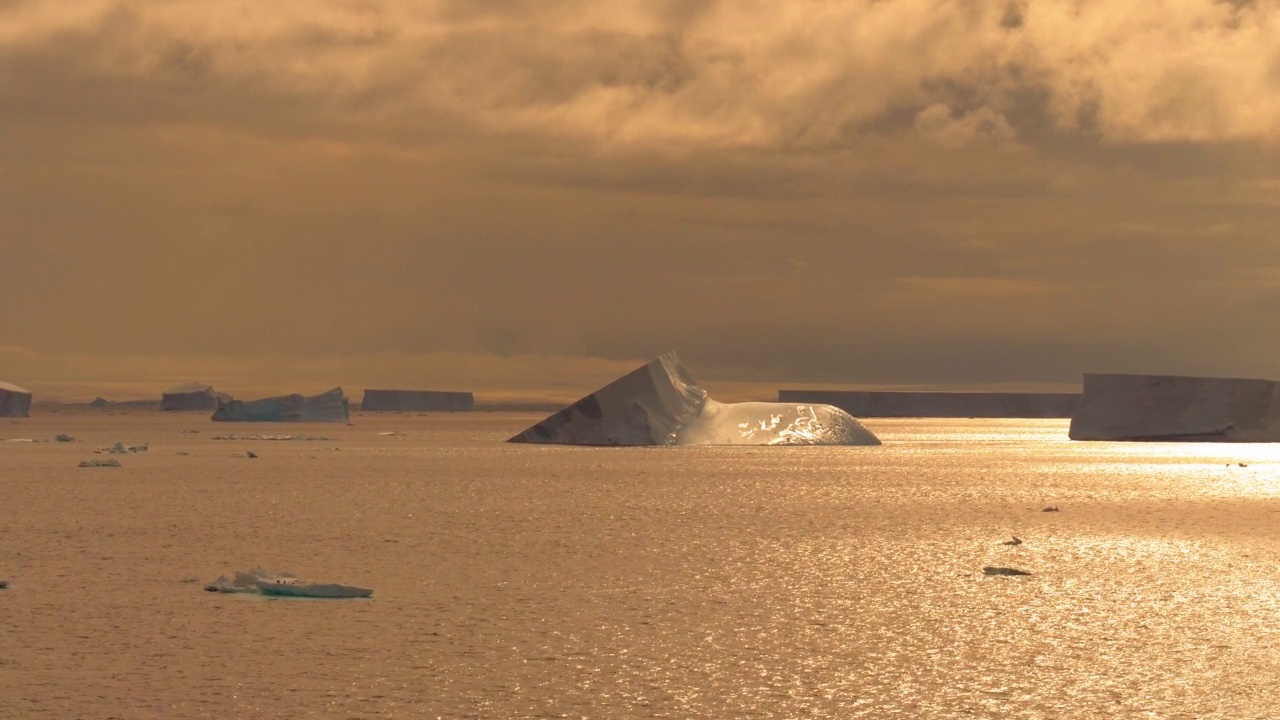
(758, 75)
(860, 186)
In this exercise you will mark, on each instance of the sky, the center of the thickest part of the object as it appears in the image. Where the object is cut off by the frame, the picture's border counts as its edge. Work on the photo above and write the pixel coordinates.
(905, 193)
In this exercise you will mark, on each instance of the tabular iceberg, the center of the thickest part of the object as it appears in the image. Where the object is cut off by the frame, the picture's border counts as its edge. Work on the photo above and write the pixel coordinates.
(14, 401)
(417, 400)
(891, 403)
(1170, 407)
(660, 403)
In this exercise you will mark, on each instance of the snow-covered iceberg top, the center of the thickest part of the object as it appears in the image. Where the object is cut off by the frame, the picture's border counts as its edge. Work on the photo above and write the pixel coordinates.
(660, 403)
(1172, 407)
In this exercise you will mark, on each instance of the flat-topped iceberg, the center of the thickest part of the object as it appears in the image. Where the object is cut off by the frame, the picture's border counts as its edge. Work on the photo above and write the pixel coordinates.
(14, 401)
(660, 403)
(1177, 408)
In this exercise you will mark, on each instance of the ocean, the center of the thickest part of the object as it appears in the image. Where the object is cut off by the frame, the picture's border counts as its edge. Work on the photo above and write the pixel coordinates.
(519, 581)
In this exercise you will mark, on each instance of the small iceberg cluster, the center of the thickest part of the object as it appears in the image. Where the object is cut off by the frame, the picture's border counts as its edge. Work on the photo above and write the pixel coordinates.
(282, 584)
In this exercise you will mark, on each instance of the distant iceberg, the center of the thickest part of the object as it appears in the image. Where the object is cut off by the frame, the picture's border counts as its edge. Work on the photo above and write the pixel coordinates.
(192, 396)
(331, 406)
(417, 401)
(1177, 408)
(660, 403)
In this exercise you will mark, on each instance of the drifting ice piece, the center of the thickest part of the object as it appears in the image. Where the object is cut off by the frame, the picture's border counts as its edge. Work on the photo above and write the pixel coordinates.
(661, 404)
(299, 588)
(328, 406)
(266, 582)
(192, 396)
(1170, 407)
(111, 463)
(14, 401)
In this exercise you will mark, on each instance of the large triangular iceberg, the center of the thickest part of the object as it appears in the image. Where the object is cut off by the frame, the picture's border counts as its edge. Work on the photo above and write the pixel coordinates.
(660, 403)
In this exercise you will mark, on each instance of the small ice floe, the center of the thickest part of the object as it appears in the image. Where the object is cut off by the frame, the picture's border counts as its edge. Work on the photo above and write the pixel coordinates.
(109, 462)
(267, 582)
(299, 588)
(122, 449)
(244, 581)
(389, 432)
(30, 440)
(63, 437)
(1049, 508)
(1015, 541)
(189, 432)
(993, 570)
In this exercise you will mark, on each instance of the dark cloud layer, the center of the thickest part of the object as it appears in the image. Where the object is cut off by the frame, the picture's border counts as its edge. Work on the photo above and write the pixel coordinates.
(901, 191)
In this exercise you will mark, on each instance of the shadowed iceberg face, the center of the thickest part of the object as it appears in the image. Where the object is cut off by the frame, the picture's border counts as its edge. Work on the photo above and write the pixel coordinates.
(660, 403)
(1172, 408)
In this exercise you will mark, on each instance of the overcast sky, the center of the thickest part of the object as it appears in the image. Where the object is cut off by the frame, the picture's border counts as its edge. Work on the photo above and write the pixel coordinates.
(865, 191)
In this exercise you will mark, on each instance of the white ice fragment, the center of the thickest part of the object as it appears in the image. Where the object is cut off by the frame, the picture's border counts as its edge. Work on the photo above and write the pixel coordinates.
(267, 582)
(110, 462)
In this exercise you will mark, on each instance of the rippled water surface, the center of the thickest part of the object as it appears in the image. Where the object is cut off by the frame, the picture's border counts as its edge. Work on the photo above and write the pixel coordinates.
(534, 581)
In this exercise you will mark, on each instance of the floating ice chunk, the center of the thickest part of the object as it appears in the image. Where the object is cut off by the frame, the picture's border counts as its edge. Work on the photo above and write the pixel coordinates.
(993, 570)
(298, 588)
(110, 462)
(63, 437)
(267, 582)
(661, 404)
(122, 449)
